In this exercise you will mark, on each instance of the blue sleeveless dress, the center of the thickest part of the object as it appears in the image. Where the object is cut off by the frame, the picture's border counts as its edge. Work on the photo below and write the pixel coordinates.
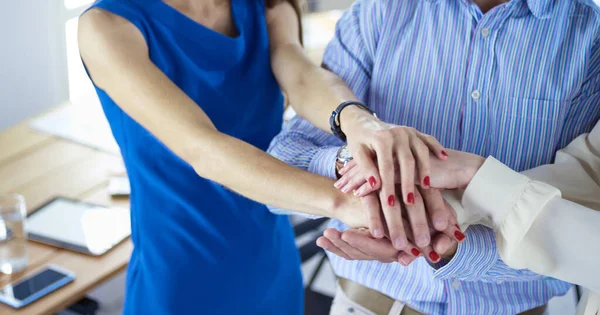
(200, 248)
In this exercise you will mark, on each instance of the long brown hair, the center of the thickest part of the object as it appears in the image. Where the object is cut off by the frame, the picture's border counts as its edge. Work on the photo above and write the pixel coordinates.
(297, 8)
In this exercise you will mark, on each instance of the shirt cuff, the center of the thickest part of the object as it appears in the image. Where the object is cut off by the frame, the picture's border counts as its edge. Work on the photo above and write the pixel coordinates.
(323, 162)
(473, 257)
(494, 190)
(511, 201)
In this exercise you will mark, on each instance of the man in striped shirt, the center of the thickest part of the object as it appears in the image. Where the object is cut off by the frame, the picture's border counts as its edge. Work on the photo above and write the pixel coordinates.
(517, 80)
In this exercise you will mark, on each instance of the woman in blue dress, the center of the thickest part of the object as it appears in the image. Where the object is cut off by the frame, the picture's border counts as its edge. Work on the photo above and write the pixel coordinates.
(191, 89)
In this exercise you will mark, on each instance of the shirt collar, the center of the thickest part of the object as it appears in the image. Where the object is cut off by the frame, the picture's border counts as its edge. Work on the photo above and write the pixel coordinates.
(541, 9)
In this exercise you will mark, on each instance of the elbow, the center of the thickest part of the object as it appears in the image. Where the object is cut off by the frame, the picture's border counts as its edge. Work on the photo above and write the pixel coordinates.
(293, 72)
(191, 154)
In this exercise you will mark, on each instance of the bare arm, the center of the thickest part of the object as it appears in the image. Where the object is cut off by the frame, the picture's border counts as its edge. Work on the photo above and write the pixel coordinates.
(313, 91)
(116, 56)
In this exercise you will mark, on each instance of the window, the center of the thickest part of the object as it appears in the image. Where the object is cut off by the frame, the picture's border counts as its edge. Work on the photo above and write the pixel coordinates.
(81, 90)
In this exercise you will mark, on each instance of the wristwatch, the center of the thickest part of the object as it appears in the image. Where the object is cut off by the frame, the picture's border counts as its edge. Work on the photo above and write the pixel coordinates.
(343, 157)
(334, 120)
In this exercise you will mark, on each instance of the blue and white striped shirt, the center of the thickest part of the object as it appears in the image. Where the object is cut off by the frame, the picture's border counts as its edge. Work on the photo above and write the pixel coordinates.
(517, 83)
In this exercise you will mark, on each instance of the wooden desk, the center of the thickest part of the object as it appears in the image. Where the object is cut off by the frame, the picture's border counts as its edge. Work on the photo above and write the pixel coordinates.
(39, 167)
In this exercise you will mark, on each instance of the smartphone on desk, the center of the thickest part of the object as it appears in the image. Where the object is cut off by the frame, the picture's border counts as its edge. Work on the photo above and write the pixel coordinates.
(36, 286)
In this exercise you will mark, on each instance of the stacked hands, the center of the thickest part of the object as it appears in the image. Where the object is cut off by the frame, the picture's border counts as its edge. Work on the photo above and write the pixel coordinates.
(399, 175)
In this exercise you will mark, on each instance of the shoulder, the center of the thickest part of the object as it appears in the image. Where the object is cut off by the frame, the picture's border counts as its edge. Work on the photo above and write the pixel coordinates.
(586, 9)
(382, 11)
(98, 22)
(108, 41)
(102, 35)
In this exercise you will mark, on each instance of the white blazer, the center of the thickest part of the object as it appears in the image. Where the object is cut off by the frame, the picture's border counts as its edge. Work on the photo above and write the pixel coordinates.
(546, 219)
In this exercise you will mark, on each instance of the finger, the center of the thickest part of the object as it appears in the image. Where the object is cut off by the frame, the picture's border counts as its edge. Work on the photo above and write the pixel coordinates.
(428, 252)
(371, 204)
(404, 259)
(442, 243)
(393, 218)
(357, 180)
(387, 195)
(350, 165)
(406, 162)
(418, 221)
(363, 190)
(327, 245)
(455, 233)
(343, 181)
(421, 153)
(435, 204)
(454, 230)
(434, 145)
(379, 249)
(431, 254)
(364, 160)
(335, 237)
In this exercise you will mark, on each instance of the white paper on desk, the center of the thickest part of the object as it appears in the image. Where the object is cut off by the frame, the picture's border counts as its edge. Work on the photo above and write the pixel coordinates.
(83, 123)
(119, 186)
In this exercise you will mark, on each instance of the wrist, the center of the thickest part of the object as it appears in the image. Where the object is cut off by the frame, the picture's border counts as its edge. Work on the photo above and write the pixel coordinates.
(352, 116)
(348, 210)
(467, 173)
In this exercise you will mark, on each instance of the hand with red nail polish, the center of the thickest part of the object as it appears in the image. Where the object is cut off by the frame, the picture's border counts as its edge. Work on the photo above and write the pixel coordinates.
(380, 151)
(443, 244)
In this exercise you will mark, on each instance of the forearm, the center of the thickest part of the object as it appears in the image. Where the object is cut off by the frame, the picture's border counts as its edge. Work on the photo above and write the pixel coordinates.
(314, 92)
(304, 146)
(253, 173)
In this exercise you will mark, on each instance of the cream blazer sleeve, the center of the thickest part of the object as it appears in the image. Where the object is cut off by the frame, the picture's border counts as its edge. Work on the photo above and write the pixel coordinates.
(546, 219)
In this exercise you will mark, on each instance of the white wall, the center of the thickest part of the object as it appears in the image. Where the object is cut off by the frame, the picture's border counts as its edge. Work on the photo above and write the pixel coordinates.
(33, 71)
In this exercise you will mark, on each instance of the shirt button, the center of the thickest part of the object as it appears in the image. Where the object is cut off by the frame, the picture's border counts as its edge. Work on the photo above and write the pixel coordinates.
(456, 284)
(485, 32)
(475, 95)
(350, 310)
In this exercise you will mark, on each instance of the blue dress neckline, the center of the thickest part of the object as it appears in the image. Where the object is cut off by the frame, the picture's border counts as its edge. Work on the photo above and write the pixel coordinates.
(214, 42)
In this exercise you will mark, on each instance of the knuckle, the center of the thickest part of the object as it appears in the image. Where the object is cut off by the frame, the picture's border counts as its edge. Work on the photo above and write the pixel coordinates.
(396, 231)
(373, 214)
(430, 138)
(345, 237)
(409, 162)
(382, 135)
(420, 226)
(422, 150)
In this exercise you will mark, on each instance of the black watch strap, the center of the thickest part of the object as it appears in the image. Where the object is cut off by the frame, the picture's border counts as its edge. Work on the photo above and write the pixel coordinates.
(334, 120)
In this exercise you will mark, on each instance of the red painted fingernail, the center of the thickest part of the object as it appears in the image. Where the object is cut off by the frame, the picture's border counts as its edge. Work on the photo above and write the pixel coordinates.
(391, 200)
(372, 182)
(410, 198)
(426, 181)
(444, 153)
(459, 236)
(434, 256)
(415, 252)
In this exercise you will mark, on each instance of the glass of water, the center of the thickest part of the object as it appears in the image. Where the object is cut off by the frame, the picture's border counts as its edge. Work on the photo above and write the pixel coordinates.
(13, 237)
